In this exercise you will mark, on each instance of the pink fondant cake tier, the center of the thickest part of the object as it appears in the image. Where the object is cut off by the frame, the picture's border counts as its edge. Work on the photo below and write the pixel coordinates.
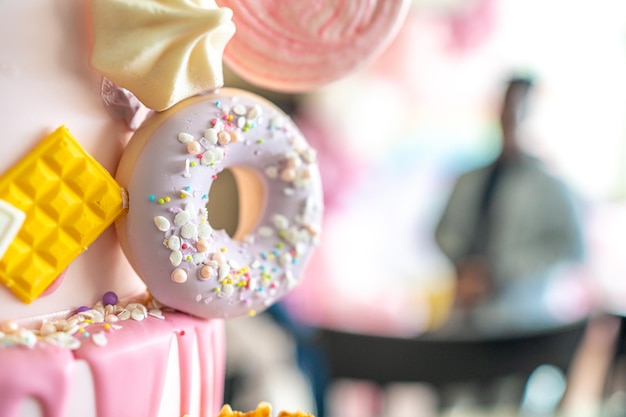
(156, 366)
(171, 366)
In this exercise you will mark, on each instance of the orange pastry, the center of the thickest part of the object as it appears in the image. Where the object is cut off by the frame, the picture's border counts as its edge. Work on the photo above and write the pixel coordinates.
(263, 410)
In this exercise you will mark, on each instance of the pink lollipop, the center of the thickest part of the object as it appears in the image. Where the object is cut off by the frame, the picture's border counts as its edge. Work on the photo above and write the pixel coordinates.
(295, 46)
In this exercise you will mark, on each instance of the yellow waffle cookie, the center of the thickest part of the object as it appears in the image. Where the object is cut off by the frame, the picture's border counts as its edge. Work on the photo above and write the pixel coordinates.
(68, 200)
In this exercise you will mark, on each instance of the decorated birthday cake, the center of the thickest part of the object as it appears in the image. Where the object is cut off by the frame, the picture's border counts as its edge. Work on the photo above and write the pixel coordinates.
(114, 284)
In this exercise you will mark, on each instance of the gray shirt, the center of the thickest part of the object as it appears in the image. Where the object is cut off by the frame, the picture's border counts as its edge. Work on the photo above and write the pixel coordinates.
(533, 227)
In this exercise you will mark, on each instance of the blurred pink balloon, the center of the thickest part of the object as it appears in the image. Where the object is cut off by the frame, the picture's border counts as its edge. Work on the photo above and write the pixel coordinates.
(341, 170)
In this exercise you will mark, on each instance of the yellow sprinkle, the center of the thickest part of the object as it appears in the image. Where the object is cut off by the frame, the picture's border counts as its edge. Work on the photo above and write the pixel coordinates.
(251, 313)
(222, 250)
(88, 321)
(183, 195)
(167, 199)
(106, 326)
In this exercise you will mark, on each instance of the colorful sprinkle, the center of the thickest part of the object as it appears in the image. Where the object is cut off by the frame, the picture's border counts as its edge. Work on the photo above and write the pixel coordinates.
(179, 276)
(109, 298)
(81, 309)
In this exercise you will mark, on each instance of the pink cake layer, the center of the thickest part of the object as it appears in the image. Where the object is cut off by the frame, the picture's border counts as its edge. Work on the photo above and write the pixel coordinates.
(129, 373)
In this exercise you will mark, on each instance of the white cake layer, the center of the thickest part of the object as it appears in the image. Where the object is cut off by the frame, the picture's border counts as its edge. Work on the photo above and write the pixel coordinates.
(46, 82)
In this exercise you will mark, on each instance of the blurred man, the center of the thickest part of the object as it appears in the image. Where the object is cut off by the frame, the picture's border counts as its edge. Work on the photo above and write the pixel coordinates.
(508, 228)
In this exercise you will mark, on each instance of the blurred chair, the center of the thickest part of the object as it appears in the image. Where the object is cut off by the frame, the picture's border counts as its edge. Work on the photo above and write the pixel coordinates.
(442, 362)
(614, 388)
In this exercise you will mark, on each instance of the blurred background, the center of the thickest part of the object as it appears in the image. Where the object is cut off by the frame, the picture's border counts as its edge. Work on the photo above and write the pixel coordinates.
(393, 137)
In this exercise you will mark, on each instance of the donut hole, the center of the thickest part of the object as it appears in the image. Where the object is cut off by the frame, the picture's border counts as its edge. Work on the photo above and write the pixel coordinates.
(236, 201)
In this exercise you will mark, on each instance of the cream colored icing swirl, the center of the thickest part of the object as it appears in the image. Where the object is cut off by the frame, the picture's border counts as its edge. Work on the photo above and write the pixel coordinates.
(163, 51)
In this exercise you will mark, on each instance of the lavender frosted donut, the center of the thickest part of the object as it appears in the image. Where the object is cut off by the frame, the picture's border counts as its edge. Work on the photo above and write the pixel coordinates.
(168, 169)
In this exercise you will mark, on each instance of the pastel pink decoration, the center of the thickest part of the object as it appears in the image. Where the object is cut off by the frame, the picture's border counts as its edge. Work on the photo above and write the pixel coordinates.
(295, 46)
(470, 28)
(341, 170)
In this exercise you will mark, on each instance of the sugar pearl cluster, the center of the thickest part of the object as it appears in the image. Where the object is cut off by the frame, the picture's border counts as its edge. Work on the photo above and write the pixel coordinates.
(294, 169)
(84, 323)
(186, 237)
(209, 148)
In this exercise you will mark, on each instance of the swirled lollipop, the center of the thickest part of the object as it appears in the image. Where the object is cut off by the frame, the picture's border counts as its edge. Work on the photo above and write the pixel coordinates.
(295, 46)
